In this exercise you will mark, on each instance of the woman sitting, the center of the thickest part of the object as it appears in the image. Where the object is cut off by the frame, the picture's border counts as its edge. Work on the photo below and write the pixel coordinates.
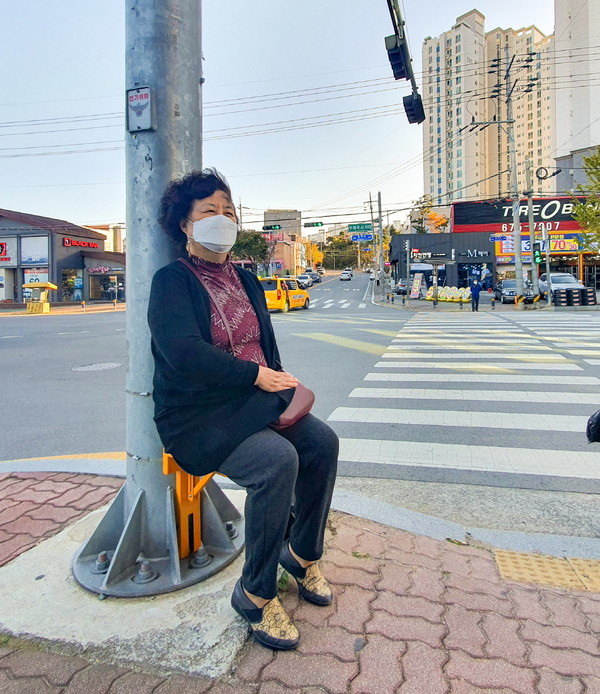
(218, 385)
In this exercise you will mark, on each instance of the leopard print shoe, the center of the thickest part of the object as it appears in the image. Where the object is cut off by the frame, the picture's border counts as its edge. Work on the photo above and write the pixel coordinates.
(270, 625)
(312, 585)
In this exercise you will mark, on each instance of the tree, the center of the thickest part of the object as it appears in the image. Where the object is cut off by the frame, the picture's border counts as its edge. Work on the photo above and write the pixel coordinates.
(421, 208)
(250, 245)
(587, 213)
(313, 255)
(436, 222)
(339, 252)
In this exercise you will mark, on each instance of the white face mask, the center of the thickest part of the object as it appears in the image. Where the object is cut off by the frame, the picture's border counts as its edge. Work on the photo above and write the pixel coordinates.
(217, 233)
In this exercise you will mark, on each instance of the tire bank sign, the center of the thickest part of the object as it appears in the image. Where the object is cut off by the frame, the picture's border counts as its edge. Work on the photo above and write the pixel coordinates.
(552, 218)
(67, 241)
(8, 252)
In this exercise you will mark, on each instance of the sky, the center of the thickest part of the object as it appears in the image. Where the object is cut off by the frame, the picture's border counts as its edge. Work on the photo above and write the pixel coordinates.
(300, 109)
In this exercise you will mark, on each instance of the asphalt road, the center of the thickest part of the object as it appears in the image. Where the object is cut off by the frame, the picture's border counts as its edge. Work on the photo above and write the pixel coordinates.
(422, 401)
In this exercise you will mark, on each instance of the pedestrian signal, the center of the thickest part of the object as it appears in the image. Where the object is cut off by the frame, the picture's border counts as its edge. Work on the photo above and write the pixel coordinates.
(537, 253)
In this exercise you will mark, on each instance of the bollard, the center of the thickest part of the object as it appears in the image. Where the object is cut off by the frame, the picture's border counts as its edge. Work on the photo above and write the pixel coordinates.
(114, 304)
(392, 299)
(83, 306)
(460, 304)
(493, 302)
(404, 300)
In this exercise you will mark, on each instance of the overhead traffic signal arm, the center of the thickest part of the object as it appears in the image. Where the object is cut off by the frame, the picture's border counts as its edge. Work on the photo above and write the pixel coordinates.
(399, 55)
(272, 227)
(413, 107)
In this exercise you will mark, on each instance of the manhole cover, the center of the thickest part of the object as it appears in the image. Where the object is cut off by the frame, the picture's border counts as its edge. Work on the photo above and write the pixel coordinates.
(97, 367)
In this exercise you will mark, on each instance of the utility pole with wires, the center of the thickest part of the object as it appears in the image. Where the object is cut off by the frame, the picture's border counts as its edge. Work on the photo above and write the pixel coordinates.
(510, 85)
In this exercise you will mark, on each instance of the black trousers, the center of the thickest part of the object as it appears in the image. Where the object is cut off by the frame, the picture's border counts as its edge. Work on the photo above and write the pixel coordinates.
(475, 303)
(298, 465)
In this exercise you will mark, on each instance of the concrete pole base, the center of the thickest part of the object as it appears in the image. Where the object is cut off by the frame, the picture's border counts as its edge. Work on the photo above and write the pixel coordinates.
(112, 562)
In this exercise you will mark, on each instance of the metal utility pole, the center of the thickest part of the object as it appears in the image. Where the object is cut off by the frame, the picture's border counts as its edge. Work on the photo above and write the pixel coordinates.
(375, 256)
(134, 551)
(534, 268)
(514, 187)
(381, 266)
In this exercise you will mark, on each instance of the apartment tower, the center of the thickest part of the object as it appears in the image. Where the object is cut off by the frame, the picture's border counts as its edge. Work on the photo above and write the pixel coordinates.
(464, 86)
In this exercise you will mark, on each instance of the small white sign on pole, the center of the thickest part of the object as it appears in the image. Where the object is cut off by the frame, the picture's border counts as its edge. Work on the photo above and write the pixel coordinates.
(140, 110)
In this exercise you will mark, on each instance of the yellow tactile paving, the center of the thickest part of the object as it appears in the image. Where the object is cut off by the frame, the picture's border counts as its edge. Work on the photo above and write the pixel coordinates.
(577, 574)
(588, 571)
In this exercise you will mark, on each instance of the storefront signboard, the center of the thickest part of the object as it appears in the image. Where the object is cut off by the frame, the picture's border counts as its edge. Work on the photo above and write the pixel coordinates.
(68, 241)
(103, 269)
(495, 216)
(559, 244)
(35, 274)
(415, 289)
(34, 250)
(8, 251)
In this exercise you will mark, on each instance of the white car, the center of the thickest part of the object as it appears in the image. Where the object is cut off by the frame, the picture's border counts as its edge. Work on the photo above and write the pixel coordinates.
(559, 280)
(305, 279)
(345, 276)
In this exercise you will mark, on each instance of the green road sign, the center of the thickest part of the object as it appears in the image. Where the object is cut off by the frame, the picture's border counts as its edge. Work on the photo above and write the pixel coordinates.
(363, 226)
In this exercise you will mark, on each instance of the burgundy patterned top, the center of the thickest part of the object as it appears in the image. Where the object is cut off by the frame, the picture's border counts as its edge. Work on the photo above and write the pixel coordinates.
(224, 281)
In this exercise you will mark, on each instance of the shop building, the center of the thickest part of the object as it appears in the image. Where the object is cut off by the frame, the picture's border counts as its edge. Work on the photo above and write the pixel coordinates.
(481, 244)
(43, 249)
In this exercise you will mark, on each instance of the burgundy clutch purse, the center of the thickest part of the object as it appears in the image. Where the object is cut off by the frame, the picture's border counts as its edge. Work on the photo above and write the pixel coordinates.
(300, 406)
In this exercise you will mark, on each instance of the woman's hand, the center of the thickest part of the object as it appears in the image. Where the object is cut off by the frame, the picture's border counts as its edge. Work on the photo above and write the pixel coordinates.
(272, 381)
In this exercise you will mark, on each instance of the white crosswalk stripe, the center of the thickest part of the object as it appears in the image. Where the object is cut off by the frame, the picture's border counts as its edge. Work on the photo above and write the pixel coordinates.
(518, 391)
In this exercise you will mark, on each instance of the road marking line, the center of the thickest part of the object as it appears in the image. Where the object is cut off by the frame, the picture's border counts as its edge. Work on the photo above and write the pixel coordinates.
(395, 353)
(465, 420)
(357, 345)
(362, 305)
(400, 344)
(483, 378)
(9, 337)
(75, 332)
(583, 352)
(531, 461)
(507, 367)
(565, 398)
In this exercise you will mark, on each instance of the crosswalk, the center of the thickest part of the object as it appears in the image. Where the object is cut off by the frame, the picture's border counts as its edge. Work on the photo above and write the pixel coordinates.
(353, 298)
(486, 399)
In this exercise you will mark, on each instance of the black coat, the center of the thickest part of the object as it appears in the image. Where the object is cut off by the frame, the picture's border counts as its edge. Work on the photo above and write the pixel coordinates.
(205, 399)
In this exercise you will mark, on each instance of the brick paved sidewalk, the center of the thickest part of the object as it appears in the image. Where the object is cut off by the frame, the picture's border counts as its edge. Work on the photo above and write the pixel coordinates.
(411, 615)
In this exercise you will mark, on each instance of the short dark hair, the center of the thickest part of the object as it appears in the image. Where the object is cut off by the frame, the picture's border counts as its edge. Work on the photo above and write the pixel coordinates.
(177, 200)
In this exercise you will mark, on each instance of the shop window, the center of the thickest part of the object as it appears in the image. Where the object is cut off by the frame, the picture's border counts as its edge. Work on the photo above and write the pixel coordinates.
(72, 285)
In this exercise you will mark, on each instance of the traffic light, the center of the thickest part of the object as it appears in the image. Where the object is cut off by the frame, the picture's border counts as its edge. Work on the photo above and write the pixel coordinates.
(272, 227)
(537, 252)
(313, 224)
(397, 50)
(413, 107)
(406, 245)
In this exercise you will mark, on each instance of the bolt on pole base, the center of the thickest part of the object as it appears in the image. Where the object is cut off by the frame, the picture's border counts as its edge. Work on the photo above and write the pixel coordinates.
(112, 562)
